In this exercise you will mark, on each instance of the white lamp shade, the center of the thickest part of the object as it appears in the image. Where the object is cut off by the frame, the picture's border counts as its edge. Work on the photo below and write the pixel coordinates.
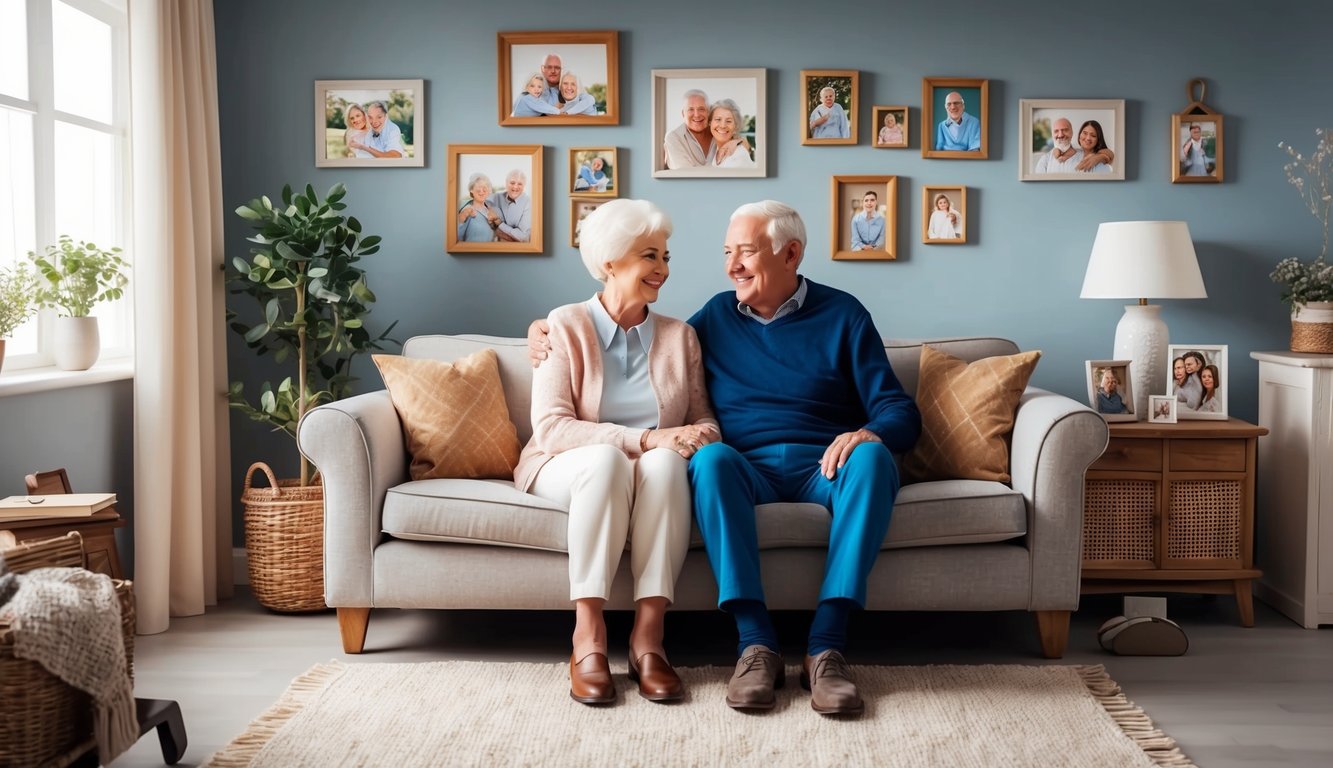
(1143, 259)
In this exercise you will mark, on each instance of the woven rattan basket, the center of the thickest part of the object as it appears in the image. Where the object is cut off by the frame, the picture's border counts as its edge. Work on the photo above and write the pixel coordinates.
(43, 721)
(284, 542)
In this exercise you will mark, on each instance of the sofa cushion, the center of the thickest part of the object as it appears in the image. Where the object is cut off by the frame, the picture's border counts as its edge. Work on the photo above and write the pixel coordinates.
(494, 512)
(453, 414)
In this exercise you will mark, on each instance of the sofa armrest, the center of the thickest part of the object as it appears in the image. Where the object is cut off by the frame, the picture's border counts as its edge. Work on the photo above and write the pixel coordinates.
(1055, 440)
(357, 444)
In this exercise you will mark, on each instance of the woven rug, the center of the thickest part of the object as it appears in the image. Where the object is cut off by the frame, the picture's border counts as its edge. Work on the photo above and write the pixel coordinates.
(485, 713)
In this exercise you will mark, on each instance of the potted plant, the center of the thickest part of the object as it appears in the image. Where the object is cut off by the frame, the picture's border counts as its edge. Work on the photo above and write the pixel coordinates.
(73, 277)
(18, 302)
(1307, 287)
(308, 305)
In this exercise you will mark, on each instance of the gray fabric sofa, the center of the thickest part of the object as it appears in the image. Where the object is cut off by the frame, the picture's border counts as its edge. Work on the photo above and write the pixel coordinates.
(955, 545)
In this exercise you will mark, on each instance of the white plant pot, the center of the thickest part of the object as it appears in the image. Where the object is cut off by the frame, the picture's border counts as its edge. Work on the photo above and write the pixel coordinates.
(77, 343)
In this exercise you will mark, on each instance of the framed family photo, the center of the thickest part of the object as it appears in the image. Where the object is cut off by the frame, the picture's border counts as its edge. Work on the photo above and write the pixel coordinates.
(593, 172)
(1196, 140)
(944, 215)
(889, 127)
(1071, 140)
(579, 208)
(1197, 378)
(1161, 409)
(559, 78)
(494, 194)
(829, 111)
(865, 218)
(1110, 389)
(710, 123)
(955, 118)
(370, 123)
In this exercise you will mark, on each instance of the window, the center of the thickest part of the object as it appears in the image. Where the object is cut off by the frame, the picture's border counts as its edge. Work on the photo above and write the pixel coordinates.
(64, 148)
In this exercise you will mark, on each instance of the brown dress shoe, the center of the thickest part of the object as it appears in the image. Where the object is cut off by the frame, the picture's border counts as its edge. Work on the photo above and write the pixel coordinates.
(758, 672)
(828, 678)
(590, 680)
(657, 680)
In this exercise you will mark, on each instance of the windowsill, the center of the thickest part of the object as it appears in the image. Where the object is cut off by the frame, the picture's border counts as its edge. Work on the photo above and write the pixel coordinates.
(30, 380)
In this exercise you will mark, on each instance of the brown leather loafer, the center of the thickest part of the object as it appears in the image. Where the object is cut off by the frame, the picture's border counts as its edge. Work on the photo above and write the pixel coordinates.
(828, 678)
(590, 680)
(657, 680)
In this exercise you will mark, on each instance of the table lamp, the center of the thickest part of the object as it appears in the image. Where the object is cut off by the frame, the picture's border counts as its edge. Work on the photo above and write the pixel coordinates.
(1142, 260)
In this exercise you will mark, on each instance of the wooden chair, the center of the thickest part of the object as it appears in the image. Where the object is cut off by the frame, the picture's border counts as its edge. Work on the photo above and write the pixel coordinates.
(98, 531)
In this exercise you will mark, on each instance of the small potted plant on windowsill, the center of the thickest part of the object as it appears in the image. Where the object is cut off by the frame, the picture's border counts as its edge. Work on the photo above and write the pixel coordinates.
(72, 277)
(1307, 287)
(17, 302)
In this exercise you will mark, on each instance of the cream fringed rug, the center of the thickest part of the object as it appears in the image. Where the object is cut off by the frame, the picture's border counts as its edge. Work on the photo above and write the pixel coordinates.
(485, 713)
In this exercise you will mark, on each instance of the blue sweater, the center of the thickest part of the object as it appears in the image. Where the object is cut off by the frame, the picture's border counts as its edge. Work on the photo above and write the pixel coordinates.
(804, 378)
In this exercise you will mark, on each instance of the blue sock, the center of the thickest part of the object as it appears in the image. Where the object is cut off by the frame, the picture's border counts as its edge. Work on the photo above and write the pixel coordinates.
(829, 629)
(753, 624)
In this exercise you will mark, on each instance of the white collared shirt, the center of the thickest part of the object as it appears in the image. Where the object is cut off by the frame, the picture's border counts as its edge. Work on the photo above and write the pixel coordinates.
(628, 398)
(786, 308)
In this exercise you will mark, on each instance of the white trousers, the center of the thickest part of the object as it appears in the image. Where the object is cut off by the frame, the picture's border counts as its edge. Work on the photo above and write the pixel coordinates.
(612, 498)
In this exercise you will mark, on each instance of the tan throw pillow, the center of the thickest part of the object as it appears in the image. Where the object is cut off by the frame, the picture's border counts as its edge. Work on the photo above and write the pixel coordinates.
(454, 416)
(967, 413)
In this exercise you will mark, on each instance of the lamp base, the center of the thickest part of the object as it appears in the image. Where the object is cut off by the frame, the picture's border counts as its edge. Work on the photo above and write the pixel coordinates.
(1141, 336)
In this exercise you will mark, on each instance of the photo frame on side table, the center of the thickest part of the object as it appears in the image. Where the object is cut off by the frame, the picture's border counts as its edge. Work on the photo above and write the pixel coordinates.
(508, 218)
(889, 127)
(594, 172)
(967, 137)
(1161, 409)
(1196, 141)
(829, 106)
(370, 123)
(1196, 376)
(1110, 389)
(575, 78)
(864, 219)
(943, 215)
(1098, 124)
(684, 100)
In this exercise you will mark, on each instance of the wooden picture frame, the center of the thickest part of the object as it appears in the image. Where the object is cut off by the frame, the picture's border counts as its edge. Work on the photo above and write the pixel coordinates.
(934, 111)
(680, 94)
(1123, 392)
(594, 172)
(344, 116)
(579, 208)
(837, 117)
(851, 240)
(592, 58)
(1038, 122)
(1214, 365)
(496, 163)
(878, 125)
(935, 229)
(1190, 163)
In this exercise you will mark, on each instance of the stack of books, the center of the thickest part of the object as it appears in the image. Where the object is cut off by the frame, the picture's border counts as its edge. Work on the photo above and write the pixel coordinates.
(53, 505)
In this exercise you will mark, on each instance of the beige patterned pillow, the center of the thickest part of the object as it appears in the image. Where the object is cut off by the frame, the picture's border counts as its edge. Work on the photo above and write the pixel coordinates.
(455, 420)
(967, 413)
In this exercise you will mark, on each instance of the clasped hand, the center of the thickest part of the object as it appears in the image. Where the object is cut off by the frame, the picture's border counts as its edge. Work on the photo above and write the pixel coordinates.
(686, 440)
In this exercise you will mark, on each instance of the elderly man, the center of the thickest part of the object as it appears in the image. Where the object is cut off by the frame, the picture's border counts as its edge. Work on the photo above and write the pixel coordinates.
(1064, 157)
(384, 139)
(827, 435)
(868, 225)
(690, 144)
(552, 66)
(828, 120)
(959, 130)
(515, 209)
(1108, 399)
(1193, 161)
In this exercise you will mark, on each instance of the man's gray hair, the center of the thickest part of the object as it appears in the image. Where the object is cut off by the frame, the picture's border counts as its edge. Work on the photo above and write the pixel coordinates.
(383, 108)
(609, 231)
(691, 93)
(516, 173)
(784, 223)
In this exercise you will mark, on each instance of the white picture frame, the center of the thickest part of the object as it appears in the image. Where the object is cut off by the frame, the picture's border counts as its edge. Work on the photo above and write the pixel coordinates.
(747, 87)
(1206, 408)
(406, 104)
(1123, 392)
(1161, 409)
(1036, 120)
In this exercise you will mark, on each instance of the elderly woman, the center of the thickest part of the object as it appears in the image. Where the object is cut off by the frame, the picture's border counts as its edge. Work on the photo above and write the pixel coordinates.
(573, 99)
(724, 123)
(828, 120)
(618, 408)
(358, 125)
(477, 218)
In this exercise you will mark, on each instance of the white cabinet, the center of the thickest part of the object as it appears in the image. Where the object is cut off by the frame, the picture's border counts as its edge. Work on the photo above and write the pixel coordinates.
(1294, 510)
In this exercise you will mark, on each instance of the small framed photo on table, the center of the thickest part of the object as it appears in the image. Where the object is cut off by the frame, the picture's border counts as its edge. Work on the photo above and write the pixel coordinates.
(943, 215)
(1110, 389)
(494, 194)
(1196, 376)
(593, 172)
(954, 118)
(889, 127)
(370, 123)
(865, 218)
(1161, 409)
(559, 78)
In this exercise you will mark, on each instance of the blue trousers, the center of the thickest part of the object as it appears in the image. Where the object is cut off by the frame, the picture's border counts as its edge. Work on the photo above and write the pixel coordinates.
(727, 484)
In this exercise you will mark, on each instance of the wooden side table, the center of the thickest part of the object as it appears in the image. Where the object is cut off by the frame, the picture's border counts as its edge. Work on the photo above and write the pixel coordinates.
(1170, 508)
(98, 531)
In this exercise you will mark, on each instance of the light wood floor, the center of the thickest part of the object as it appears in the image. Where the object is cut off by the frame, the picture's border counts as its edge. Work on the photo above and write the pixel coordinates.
(1240, 697)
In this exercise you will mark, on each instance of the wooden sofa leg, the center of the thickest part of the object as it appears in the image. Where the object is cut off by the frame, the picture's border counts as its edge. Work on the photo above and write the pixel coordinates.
(1052, 628)
(352, 623)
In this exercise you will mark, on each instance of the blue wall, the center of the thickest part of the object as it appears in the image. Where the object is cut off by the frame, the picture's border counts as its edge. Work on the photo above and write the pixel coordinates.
(1019, 276)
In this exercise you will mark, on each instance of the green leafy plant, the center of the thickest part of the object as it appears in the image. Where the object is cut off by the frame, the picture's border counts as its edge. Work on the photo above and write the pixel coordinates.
(72, 276)
(311, 299)
(1312, 177)
(18, 289)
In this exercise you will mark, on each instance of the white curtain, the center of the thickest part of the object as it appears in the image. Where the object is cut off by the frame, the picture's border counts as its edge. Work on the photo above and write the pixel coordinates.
(182, 510)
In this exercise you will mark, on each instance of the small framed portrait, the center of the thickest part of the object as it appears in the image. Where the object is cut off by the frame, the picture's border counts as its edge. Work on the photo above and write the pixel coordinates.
(1196, 148)
(559, 78)
(865, 218)
(710, 123)
(1161, 409)
(943, 215)
(889, 127)
(579, 208)
(592, 172)
(1071, 140)
(1110, 389)
(370, 123)
(828, 112)
(1197, 378)
(494, 194)
(954, 118)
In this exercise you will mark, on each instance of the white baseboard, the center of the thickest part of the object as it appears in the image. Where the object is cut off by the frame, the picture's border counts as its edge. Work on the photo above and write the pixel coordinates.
(240, 571)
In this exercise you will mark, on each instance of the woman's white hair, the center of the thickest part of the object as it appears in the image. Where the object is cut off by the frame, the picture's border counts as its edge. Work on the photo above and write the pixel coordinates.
(578, 84)
(730, 106)
(828, 88)
(476, 177)
(784, 223)
(609, 231)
